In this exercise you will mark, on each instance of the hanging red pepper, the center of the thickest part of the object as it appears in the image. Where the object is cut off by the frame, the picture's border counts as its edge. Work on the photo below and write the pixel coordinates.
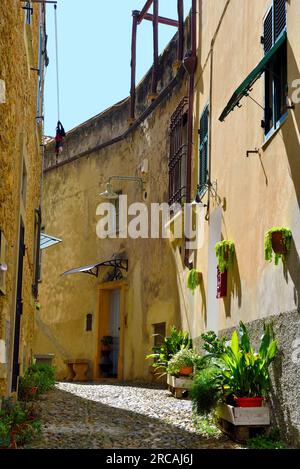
(59, 138)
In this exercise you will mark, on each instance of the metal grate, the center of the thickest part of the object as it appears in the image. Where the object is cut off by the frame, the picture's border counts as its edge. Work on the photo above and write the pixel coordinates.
(178, 153)
(268, 31)
(279, 17)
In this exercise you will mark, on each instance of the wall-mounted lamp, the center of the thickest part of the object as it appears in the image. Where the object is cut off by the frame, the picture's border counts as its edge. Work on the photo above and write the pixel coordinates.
(3, 267)
(110, 194)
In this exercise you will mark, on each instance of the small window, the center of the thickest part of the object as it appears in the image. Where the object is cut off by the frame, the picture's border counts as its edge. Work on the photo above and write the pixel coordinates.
(178, 153)
(89, 322)
(276, 86)
(159, 333)
(203, 151)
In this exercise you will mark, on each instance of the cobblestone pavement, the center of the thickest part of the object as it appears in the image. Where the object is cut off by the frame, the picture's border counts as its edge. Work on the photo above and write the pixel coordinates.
(131, 415)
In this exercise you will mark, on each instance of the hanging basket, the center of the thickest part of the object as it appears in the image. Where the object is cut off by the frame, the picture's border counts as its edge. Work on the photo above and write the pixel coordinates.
(278, 244)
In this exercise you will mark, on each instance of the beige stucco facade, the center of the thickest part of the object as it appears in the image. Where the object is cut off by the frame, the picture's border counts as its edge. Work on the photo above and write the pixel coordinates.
(20, 180)
(72, 185)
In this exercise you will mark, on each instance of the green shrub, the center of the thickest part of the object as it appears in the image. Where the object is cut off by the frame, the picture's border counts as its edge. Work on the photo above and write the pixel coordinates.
(271, 441)
(40, 376)
(18, 424)
(206, 390)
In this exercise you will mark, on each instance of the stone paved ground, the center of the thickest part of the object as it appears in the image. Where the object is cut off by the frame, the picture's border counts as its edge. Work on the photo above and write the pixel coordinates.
(116, 416)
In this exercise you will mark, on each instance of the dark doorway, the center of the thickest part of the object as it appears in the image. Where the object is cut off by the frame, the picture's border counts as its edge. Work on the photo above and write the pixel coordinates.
(19, 307)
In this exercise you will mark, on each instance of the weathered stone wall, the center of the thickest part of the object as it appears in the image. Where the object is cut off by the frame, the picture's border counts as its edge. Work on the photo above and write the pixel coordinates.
(20, 140)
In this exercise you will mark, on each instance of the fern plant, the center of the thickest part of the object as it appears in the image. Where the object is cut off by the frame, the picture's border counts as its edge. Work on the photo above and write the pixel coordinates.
(286, 239)
(193, 280)
(225, 254)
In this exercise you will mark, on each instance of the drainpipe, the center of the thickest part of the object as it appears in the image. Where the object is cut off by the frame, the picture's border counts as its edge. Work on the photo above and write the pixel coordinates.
(155, 48)
(190, 64)
(135, 15)
(180, 30)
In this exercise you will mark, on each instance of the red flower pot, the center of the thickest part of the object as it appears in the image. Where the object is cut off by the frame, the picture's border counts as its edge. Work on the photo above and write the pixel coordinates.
(278, 243)
(248, 401)
(186, 371)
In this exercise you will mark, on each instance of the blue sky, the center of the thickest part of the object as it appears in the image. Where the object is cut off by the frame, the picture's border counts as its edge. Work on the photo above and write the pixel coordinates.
(94, 55)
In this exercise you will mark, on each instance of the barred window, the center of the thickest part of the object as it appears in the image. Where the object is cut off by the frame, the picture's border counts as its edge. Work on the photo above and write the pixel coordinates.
(178, 153)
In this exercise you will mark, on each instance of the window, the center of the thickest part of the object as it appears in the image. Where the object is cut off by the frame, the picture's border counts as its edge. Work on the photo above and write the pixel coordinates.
(28, 12)
(40, 74)
(203, 151)
(159, 334)
(276, 72)
(178, 153)
(89, 322)
(36, 252)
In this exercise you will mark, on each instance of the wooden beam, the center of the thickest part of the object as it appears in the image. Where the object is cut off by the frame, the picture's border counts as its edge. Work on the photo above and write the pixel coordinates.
(162, 20)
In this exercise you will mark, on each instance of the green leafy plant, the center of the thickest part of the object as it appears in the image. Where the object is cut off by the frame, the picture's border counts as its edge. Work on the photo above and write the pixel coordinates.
(271, 441)
(225, 251)
(107, 340)
(286, 239)
(213, 344)
(206, 390)
(36, 376)
(177, 340)
(245, 373)
(185, 358)
(18, 424)
(194, 279)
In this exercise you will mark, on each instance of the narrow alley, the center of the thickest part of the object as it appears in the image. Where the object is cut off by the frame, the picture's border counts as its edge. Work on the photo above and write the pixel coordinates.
(131, 415)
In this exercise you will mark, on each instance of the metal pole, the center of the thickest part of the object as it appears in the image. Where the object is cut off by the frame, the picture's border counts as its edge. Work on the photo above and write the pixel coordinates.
(56, 51)
(145, 10)
(135, 15)
(155, 46)
(180, 29)
(162, 20)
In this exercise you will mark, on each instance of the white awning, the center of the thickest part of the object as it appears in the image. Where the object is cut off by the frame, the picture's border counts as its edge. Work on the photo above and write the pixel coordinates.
(47, 241)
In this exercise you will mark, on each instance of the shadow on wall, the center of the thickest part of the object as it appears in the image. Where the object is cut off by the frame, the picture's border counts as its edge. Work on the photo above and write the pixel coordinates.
(291, 133)
(234, 288)
(292, 266)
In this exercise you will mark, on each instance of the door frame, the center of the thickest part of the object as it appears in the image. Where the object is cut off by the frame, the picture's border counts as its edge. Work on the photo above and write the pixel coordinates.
(102, 289)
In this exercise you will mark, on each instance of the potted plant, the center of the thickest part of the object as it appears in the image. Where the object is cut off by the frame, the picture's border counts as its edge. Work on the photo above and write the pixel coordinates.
(194, 279)
(106, 341)
(277, 241)
(245, 373)
(225, 251)
(176, 341)
(182, 363)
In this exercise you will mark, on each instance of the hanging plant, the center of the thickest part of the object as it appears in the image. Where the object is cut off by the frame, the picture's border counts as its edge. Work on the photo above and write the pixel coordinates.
(277, 240)
(225, 254)
(194, 279)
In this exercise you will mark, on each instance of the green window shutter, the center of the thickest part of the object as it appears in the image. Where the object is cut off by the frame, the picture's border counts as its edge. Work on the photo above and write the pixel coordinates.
(268, 31)
(279, 17)
(203, 150)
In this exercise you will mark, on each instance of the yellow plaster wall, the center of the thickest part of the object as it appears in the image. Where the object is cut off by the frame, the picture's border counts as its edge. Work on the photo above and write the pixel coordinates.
(20, 140)
(71, 196)
(260, 191)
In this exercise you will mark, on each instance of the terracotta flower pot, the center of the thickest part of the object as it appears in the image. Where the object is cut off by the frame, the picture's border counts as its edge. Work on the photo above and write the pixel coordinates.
(278, 243)
(186, 371)
(248, 401)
